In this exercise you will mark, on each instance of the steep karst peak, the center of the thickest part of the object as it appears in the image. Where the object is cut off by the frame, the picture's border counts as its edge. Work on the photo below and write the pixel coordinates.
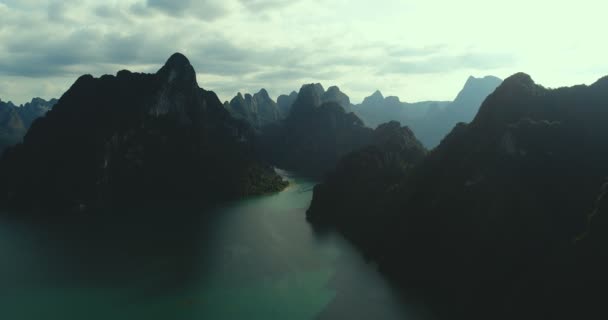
(375, 98)
(393, 100)
(312, 88)
(178, 68)
(177, 60)
(377, 94)
(333, 89)
(602, 82)
(520, 79)
(263, 92)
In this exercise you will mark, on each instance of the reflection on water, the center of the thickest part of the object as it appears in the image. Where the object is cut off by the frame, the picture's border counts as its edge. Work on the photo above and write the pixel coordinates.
(253, 259)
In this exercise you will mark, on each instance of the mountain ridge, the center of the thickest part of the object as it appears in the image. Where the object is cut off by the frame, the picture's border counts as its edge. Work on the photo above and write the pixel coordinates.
(141, 138)
(430, 120)
(487, 223)
(16, 120)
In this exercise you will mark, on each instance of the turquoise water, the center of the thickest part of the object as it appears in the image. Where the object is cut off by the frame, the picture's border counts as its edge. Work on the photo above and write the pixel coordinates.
(253, 259)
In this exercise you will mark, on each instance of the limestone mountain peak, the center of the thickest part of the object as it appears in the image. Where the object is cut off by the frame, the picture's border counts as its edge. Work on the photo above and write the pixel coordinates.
(178, 69)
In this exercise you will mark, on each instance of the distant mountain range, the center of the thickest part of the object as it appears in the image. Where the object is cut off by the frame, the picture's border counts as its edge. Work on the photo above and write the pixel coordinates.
(430, 120)
(15, 120)
(315, 134)
(258, 110)
(502, 220)
(286, 101)
(134, 140)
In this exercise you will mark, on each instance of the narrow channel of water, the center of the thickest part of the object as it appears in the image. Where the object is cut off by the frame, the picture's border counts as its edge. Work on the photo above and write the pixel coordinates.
(256, 258)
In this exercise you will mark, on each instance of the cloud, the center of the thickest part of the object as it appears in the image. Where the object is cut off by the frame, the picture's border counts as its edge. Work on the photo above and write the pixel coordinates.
(291, 74)
(56, 11)
(263, 5)
(221, 56)
(113, 13)
(37, 56)
(403, 51)
(207, 10)
(406, 49)
(443, 63)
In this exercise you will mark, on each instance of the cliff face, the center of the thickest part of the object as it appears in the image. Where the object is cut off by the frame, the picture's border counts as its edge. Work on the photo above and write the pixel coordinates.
(486, 224)
(134, 139)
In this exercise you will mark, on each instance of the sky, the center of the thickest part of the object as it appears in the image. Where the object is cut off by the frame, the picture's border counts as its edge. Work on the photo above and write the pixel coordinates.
(417, 50)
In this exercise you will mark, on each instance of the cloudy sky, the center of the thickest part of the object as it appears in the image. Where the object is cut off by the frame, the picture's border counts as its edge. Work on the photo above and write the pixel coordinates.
(418, 50)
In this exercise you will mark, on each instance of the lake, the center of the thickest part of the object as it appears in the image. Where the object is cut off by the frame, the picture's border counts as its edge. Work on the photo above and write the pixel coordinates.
(256, 258)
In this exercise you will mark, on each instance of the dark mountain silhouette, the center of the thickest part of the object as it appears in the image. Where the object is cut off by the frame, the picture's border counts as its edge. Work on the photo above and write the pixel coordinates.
(15, 120)
(286, 101)
(309, 99)
(317, 132)
(314, 95)
(430, 120)
(502, 220)
(258, 110)
(366, 174)
(134, 139)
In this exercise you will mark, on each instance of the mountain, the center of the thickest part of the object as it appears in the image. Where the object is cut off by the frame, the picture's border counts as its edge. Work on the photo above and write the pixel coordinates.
(469, 99)
(438, 122)
(333, 94)
(430, 120)
(365, 174)
(317, 132)
(12, 127)
(15, 120)
(134, 140)
(314, 95)
(377, 109)
(258, 110)
(503, 219)
(35, 109)
(286, 101)
(375, 99)
(309, 99)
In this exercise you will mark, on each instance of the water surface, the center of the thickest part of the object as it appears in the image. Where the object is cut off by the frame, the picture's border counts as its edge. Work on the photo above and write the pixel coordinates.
(252, 259)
